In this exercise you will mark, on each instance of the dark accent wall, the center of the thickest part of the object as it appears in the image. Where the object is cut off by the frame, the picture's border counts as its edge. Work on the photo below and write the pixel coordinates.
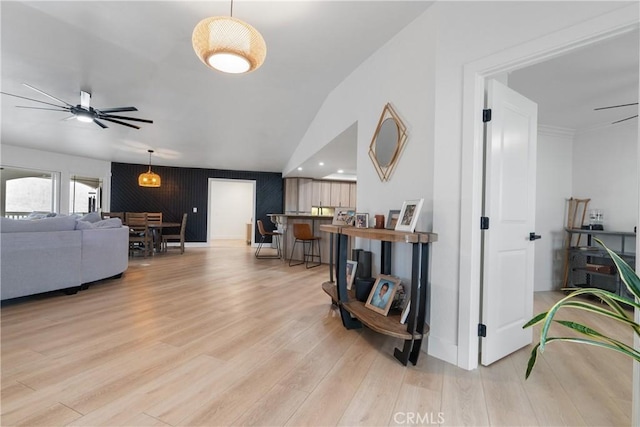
(183, 189)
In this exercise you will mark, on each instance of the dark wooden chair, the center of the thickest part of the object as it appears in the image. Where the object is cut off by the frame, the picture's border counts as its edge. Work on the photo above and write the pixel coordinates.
(166, 238)
(140, 236)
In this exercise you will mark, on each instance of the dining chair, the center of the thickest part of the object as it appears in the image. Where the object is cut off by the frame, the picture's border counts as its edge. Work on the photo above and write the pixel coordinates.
(302, 233)
(154, 217)
(140, 237)
(155, 224)
(166, 238)
(274, 235)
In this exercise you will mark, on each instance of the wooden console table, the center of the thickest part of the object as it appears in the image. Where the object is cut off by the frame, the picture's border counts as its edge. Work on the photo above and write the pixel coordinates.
(354, 314)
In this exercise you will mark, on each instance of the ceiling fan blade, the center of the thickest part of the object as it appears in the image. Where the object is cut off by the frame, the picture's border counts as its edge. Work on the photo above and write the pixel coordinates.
(615, 106)
(117, 109)
(118, 122)
(47, 95)
(31, 99)
(102, 125)
(111, 116)
(68, 118)
(623, 120)
(42, 108)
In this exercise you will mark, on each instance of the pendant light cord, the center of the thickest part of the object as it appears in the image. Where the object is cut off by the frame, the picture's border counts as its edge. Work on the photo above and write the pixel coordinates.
(231, 9)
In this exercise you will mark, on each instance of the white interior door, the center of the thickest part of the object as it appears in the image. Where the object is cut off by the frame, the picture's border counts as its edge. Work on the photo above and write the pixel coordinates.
(508, 252)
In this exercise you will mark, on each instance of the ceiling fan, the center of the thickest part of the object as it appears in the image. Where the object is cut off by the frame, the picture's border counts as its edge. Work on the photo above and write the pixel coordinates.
(618, 106)
(83, 111)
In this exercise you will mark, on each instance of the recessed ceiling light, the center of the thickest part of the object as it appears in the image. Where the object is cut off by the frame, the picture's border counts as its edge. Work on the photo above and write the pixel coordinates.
(300, 168)
(321, 164)
(340, 171)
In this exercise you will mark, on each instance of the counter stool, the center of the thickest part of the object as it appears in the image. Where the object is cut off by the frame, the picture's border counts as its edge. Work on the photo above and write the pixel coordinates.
(302, 233)
(274, 235)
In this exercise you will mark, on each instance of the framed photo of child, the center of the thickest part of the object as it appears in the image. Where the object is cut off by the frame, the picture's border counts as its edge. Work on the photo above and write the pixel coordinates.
(382, 293)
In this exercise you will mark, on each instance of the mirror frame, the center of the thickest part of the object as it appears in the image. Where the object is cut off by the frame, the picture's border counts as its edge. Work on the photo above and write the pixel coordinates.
(385, 171)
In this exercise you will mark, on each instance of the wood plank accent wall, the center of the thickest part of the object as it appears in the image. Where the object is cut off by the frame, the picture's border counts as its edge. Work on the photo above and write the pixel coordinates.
(185, 188)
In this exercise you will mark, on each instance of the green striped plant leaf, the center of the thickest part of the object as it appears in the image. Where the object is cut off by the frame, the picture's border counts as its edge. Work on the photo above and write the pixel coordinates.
(611, 307)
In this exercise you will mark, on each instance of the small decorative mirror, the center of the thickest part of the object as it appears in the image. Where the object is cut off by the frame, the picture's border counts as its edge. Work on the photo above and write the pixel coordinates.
(387, 143)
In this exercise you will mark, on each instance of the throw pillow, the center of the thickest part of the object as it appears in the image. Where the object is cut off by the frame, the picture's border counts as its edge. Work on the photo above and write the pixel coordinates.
(38, 215)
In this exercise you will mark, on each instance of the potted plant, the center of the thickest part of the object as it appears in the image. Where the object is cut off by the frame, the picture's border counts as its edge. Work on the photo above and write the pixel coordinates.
(612, 309)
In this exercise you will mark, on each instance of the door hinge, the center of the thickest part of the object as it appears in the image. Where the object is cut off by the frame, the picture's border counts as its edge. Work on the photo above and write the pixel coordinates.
(482, 330)
(486, 115)
(484, 223)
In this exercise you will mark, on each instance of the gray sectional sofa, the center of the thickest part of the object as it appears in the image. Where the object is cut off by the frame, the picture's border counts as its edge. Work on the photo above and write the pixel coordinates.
(60, 252)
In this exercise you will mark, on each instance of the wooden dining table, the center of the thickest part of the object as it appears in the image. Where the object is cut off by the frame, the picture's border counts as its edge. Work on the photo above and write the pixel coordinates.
(156, 229)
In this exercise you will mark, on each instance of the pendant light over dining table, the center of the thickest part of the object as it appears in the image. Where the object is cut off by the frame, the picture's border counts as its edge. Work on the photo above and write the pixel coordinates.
(149, 178)
(227, 44)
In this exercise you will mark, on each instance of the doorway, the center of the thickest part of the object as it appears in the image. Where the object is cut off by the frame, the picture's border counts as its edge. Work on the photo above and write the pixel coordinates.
(473, 98)
(232, 206)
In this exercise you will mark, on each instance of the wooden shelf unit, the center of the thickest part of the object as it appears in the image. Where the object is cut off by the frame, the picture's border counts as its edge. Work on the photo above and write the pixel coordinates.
(354, 314)
(581, 256)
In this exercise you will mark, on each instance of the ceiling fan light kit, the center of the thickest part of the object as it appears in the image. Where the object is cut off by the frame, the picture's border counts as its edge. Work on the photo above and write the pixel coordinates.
(84, 116)
(229, 45)
(149, 178)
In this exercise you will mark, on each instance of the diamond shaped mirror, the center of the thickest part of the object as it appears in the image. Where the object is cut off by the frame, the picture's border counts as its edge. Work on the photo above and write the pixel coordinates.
(387, 142)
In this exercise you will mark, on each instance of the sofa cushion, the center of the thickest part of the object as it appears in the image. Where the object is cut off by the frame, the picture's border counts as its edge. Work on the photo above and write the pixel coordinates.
(105, 223)
(83, 225)
(58, 223)
(91, 217)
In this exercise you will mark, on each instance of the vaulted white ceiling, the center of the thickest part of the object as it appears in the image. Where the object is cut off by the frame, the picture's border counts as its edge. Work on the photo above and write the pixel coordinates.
(140, 54)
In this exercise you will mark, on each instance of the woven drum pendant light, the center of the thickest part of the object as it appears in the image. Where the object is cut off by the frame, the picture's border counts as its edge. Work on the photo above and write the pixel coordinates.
(227, 44)
(149, 179)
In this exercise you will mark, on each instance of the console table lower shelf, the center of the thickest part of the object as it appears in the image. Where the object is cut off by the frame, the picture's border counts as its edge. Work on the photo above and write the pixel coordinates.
(355, 314)
(388, 325)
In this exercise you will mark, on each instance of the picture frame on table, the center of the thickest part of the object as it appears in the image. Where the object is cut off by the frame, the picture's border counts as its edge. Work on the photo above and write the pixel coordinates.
(382, 293)
(409, 215)
(352, 267)
(362, 220)
(343, 216)
(392, 219)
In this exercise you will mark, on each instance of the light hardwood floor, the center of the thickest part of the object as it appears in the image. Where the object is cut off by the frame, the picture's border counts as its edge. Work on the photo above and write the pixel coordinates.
(216, 337)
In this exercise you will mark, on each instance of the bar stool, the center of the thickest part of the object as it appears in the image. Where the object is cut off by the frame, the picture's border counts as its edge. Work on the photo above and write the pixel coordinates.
(274, 235)
(302, 233)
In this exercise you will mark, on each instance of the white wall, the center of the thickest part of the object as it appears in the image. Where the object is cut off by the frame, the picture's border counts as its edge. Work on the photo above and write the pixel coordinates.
(421, 73)
(66, 165)
(231, 207)
(605, 167)
(553, 187)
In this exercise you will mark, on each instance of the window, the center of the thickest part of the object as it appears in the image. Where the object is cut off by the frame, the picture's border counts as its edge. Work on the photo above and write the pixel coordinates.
(26, 191)
(85, 195)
